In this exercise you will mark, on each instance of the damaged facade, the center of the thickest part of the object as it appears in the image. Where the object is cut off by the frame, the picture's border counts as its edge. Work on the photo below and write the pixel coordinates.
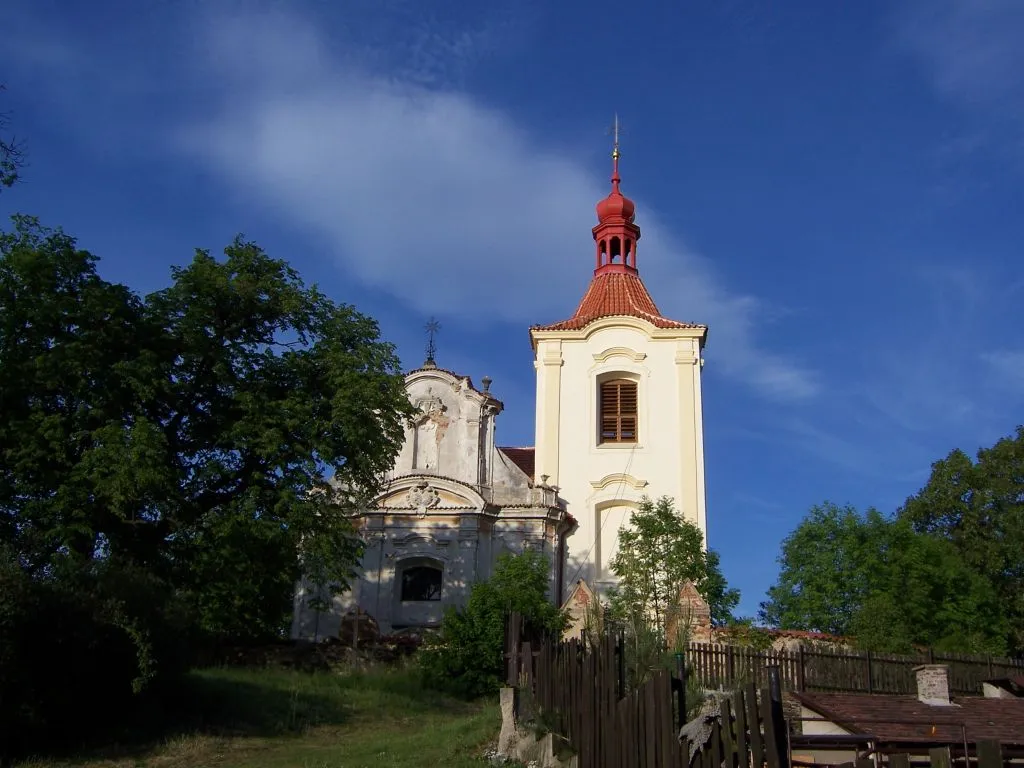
(452, 503)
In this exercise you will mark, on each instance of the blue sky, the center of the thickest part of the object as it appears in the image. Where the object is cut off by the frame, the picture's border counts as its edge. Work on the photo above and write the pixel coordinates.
(835, 189)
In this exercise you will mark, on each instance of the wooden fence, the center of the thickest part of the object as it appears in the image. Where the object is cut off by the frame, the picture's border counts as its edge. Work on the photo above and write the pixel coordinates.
(576, 690)
(726, 666)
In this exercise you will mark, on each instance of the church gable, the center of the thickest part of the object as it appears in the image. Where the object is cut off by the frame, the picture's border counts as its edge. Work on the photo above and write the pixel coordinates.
(450, 430)
(422, 493)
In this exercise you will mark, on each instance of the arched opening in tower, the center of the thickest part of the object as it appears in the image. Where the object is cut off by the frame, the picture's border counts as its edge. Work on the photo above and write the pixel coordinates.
(616, 251)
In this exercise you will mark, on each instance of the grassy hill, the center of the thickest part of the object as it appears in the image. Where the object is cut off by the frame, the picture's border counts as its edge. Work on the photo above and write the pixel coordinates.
(264, 718)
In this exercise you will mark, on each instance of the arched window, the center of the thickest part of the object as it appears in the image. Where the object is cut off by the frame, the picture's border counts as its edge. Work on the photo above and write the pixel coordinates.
(421, 583)
(616, 250)
(618, 411)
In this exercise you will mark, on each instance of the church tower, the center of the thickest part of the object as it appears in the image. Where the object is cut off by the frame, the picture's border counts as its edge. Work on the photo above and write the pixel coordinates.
(618, 400)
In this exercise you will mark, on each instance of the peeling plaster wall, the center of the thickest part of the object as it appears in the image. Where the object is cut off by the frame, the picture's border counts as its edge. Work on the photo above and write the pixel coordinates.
(451, 499)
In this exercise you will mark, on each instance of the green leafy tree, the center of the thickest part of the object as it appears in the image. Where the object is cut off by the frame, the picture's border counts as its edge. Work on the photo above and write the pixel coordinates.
(12, 153)
(189, 434)
(467, 657)
(978, 506)
(826, 566)
(659, 551)
(877, 580)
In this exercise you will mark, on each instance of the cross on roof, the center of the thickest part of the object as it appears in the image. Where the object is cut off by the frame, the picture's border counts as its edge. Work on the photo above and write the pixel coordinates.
(432, 327)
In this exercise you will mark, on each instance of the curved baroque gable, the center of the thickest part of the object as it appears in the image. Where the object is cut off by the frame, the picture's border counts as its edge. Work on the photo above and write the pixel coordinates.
(425, 492)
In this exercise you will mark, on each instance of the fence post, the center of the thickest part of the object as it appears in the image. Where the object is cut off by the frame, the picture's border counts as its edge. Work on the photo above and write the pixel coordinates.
(870, 683)
(774, 683)
(513, 661)
(620, 651)
(800, 682)
(778, 718)
(681, 693)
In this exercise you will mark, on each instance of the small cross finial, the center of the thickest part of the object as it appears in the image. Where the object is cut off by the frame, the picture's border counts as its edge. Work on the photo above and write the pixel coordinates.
(432, 327)
(616, 130)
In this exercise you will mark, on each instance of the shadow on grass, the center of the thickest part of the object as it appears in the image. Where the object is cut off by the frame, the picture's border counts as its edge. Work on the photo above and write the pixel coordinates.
(263, 703)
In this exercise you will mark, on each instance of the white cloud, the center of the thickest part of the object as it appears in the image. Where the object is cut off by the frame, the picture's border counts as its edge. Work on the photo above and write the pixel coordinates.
(971, 51)
(448, 204)
(1007, 366)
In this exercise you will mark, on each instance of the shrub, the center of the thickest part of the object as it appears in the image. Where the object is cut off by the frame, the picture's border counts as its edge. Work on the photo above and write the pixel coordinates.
(79, 648)
(467, 657)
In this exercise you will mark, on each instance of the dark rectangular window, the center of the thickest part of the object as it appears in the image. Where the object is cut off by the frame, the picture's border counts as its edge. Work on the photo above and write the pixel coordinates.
(421, 583)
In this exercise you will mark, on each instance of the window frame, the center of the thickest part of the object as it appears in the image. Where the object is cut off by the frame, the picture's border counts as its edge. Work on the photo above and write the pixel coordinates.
(619, 416)
(415, 567)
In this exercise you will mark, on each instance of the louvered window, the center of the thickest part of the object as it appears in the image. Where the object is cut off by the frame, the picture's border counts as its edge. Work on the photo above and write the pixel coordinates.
(618, 411)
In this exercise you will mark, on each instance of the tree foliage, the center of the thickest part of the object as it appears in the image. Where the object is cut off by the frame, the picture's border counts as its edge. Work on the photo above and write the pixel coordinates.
(165, 457)
(878, 580)
(978, 507)
(12, 153)
(659, 551)
(467, 657)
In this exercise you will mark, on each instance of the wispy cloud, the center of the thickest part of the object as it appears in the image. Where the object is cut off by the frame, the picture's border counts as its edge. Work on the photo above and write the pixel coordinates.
(971, 52)
(448, 204)
(1008, 366)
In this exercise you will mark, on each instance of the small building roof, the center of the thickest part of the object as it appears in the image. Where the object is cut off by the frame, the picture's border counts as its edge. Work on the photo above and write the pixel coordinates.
(524, 458)
(907, 718)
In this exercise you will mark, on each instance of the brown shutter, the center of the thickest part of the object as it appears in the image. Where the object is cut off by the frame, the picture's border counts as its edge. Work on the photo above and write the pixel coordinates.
(618, 412)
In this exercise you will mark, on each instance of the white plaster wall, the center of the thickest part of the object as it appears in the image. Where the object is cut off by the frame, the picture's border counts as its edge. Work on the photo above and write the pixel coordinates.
(454, 438)
(816, 725)
(601, 481)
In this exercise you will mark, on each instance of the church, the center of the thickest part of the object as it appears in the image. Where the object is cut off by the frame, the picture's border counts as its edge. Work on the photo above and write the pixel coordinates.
(618, 417)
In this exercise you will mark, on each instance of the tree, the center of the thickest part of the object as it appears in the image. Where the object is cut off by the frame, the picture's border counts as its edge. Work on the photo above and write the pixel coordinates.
(12, 154)
(888, 586)
(826, 564)
(659, 551)
(467, 657)
(189, 433)
(978, 506)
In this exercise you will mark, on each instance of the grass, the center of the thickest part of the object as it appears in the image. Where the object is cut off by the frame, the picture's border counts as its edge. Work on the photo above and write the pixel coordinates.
(264, 718)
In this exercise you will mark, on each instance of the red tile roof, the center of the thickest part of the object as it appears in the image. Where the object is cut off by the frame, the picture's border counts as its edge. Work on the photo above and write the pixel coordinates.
(983, 718)
(615, 294)
(523, 458)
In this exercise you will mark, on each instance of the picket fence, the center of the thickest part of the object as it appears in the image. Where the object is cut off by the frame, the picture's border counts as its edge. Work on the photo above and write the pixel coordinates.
(725, 666)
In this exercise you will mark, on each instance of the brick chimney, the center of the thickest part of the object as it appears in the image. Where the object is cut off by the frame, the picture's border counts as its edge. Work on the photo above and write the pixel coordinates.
(933, 684)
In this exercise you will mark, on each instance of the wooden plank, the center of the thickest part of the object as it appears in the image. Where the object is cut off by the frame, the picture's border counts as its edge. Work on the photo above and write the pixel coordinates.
(728, 743)
(754, 724)
(742, 739)
(669, 734)
(940, 757)
(716, 744)
(650, 721)
(771, 745)
(641, 717)
(865, 762)
(900, 761)
(990, 754)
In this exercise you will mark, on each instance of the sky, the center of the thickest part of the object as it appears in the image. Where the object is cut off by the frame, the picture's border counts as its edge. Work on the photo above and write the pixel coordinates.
(835, 189)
